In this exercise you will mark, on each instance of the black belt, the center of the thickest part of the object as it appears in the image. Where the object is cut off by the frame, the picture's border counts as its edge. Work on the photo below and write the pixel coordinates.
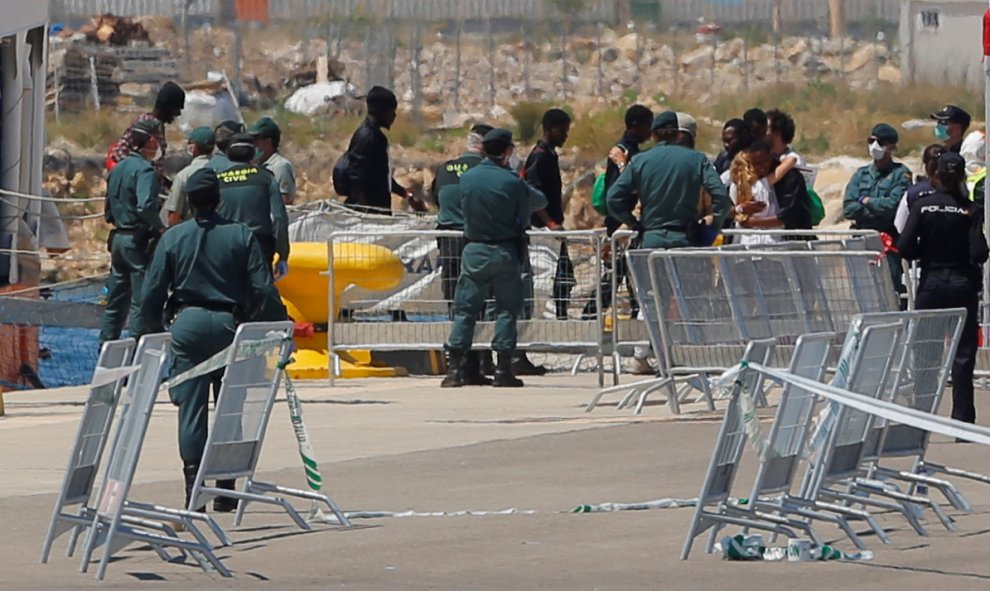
(210, 306)
(125, 230)
(491, 242)
(449, 227)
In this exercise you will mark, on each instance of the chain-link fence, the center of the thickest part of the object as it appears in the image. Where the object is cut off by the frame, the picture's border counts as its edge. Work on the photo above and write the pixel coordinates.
(447, 57)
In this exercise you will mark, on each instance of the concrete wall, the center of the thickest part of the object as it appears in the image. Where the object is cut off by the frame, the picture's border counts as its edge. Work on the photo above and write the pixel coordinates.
(22, 133)
(942, 42)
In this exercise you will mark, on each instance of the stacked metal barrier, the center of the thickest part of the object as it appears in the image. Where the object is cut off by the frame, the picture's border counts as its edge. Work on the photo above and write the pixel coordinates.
(562, 313)
(707, 304)
(898, 357)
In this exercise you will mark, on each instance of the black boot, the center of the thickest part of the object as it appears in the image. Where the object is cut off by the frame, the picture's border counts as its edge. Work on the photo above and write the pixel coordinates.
(504, 377)
(487, 363)
(225, 504)
(455, 371)
(521, 366)
(189, 473)
(472, 370)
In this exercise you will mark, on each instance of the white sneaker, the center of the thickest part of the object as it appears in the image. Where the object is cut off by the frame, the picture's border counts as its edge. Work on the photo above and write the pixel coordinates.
(638, 366)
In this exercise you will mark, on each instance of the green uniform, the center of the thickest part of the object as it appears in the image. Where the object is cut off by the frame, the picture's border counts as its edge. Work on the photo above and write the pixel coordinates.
(668, 179)
(217, 276)
(496, 205)
(249, 195)
(177, 197)
(885, 188)
(132, 206)
(285, 176)
(447, 190)
(451, 217)
(220, 162)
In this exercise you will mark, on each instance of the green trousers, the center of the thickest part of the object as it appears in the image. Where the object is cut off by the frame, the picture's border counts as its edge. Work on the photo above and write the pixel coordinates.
(487, 268)
(665, 239)
(197, 335)
(127, 267)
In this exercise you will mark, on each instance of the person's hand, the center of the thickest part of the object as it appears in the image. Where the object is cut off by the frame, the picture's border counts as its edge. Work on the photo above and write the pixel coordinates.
(618, 156)
(606, 250)
(751, 207)
(281, 270)
(554, 226)
(746, 223)
(864, 200)
(415, 202)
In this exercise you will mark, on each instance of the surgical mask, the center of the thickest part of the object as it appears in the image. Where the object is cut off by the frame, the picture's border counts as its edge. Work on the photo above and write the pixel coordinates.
(877, 152)
(941, 132)
(189, 150)
(258, 154)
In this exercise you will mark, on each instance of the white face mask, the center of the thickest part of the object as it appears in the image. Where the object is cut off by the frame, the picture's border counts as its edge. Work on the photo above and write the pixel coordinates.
(877, 152)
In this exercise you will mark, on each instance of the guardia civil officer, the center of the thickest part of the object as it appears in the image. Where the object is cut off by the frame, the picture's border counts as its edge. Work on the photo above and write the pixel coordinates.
(497, 205)
(446, 188)
(667, 180)
(875, 190)
(132, 207)
(217, 277)
(267, 139)
(201, 143)
(944, 232)
(249, 194)
(222, 133)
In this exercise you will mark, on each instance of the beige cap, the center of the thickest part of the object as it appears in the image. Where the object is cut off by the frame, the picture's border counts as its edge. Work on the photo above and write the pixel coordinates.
(687, 124)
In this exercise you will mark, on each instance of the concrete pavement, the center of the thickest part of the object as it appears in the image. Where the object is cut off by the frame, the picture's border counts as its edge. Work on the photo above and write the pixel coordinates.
(405, 444)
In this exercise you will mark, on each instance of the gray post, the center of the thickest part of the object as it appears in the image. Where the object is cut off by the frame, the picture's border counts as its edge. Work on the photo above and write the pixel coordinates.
(598, 47)
(94, 83)
(457, 66)
(415, 48)
(745, 61)
(58, 94)
(238, 49)
(490, 36)
(528, 58)
(563, 58)
(368, 83)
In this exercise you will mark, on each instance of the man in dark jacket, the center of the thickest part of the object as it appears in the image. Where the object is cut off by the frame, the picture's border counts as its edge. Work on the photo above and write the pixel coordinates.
(369, 169)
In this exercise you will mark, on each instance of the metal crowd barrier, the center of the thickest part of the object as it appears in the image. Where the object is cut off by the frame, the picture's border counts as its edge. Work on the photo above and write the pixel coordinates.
(562, 313)
(625, 332)
(709, 303)
(899, 357)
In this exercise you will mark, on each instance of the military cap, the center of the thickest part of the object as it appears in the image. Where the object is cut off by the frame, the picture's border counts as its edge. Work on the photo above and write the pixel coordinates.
(203, 137)
(231, 125)
(665, 120)
(203, 179)
(265, 128)
(147, 126)
(481, 129)
(239, 140)
(885, 133)
(497, 139)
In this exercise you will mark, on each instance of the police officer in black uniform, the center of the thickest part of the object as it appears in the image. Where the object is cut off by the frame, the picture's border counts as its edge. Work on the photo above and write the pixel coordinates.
(944, 232)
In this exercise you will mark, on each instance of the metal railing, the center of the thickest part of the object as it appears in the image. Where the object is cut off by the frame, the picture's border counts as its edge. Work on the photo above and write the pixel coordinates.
(562, 310)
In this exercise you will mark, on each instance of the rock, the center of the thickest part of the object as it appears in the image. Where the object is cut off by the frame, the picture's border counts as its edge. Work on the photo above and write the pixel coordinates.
(891, 74)
(912, 124)
(700, 58)
(628, 45)
(795, 52)
(609, 55)
(730, 50)
(867, 54)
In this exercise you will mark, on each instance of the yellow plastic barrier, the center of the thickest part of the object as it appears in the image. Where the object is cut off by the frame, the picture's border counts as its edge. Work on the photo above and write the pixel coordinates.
(304, 292)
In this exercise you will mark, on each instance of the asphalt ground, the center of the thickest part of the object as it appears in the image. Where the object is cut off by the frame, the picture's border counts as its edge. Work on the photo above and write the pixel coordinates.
(406, 445)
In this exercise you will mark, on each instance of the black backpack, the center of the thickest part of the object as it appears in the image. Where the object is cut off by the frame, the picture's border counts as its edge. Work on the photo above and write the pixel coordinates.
(341, 178)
